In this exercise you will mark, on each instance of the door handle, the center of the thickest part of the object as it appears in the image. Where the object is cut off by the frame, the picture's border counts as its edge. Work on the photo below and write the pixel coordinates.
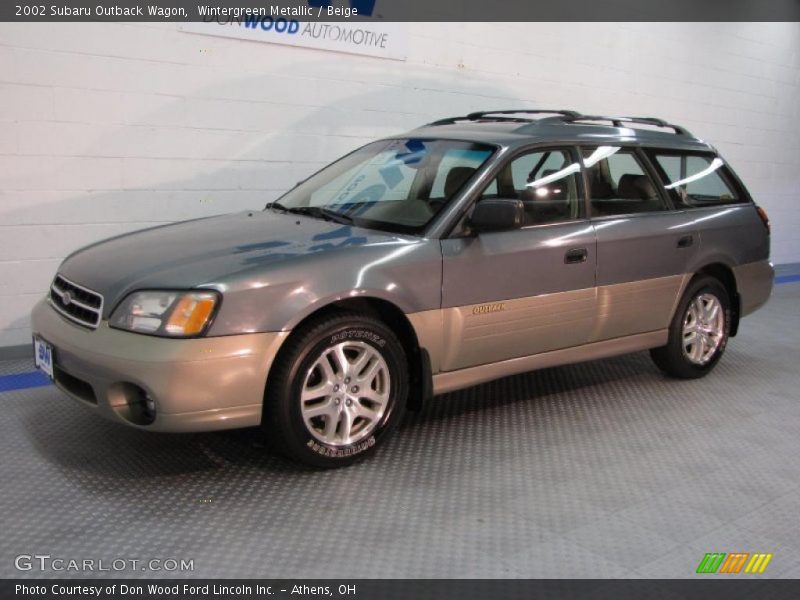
(686, 241)
(576, 256)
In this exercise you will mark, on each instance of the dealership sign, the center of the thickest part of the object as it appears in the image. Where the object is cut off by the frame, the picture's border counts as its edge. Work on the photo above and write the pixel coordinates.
(369, 37)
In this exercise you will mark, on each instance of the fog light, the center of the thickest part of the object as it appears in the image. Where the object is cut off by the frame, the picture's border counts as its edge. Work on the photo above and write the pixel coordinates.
(149, 407)
(132, 403)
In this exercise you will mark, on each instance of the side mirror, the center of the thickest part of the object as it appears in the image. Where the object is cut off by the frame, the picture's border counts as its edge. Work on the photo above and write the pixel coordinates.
(499, 214)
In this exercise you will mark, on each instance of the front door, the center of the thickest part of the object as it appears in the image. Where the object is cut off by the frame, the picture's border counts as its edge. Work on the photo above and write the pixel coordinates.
(516, 293)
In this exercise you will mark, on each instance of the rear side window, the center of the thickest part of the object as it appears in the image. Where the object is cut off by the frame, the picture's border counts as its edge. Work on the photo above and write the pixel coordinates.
(695, 180)
(618, 183)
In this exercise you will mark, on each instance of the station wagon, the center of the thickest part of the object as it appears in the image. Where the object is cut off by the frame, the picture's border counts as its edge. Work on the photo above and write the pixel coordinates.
(469, 249)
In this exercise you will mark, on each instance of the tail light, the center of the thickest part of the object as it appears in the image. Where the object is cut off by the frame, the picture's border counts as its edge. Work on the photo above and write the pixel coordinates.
(764, 218)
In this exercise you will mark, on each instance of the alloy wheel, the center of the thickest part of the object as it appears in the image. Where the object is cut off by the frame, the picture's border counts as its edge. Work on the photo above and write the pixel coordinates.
(345, 393)
(703, 328)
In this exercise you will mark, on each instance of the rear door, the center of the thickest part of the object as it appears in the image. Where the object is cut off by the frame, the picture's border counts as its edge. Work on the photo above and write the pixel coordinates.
(516, 293)
(644, 244)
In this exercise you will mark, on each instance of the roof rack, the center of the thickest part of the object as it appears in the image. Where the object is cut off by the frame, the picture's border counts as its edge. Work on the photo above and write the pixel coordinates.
(622, 121)
(566, 113)
(567, 116)
(477, 116)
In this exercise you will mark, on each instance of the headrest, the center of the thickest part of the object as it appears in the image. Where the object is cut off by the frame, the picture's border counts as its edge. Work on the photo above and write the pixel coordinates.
(456, 177)
(555, 190)
(599, 187)
(635, 187)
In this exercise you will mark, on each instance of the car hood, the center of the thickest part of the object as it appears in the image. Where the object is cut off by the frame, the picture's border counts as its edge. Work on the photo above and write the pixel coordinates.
(206, 252)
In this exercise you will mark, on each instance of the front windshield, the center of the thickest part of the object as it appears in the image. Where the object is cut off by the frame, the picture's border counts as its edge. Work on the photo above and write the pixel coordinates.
(396, 185)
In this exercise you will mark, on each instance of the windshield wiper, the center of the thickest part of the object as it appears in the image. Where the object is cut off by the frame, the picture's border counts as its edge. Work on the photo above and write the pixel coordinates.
(335, 215)
(294, 210)
(276, 206)
(313, 211)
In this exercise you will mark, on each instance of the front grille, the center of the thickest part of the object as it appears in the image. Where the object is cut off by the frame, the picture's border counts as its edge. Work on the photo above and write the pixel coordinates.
(76, 302)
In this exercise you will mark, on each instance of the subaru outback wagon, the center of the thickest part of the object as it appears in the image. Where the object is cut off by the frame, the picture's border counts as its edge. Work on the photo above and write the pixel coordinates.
(466, 250)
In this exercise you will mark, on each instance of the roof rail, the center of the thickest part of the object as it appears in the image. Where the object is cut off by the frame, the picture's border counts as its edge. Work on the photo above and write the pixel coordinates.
(476, 116)
(622, 121)
(525, 111)
(567, 116)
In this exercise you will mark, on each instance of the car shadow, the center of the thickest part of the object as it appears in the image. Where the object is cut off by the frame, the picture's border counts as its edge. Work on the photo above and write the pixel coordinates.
(98, 453)
(539, 385)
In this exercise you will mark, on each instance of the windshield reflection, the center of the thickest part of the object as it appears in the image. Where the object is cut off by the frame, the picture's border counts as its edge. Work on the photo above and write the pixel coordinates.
(396, 185)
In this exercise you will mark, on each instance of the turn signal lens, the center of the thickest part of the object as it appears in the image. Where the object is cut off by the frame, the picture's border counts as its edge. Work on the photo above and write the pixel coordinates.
(764, 218)
(191, 314)
(162, 313)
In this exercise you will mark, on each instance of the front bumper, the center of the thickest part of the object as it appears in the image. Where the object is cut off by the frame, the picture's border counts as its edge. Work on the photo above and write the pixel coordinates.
(200, 384)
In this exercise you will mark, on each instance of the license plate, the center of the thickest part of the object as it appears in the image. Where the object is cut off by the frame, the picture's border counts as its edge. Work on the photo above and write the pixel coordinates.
(43, 356)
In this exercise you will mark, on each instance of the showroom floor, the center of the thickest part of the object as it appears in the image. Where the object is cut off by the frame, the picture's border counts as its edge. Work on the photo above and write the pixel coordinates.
(604, 469)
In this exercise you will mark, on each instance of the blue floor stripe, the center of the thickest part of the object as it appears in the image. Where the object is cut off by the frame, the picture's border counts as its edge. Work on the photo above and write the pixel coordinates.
(23, 381)
(32, 379)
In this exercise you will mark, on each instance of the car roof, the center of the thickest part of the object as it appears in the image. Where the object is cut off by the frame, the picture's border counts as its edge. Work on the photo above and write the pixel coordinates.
(509, 128)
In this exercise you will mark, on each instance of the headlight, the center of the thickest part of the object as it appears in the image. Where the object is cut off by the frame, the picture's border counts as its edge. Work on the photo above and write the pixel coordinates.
(169, 314)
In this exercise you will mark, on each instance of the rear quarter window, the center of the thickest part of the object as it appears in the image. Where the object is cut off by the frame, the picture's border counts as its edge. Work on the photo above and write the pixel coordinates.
(696, 180)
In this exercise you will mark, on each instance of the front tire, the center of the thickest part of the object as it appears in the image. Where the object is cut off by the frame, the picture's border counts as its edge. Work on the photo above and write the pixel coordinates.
(337, 390)
(699, 331)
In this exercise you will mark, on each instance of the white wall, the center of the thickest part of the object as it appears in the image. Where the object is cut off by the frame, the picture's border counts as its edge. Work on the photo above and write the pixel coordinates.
(112, 127)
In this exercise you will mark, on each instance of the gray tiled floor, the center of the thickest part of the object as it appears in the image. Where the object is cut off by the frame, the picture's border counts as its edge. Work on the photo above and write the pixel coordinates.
(11, 367)
(605, 469)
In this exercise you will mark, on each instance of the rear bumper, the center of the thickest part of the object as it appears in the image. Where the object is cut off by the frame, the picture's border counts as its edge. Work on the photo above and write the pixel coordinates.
(198, 384)
(754, 282)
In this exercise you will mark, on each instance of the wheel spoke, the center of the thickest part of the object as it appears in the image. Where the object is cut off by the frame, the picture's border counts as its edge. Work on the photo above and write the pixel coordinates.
(706, 345)
(370, 372)
(326, 408)
(376, 398)
(340, 359)
(331, 421)
(697, 348)
(346, 426)
(712, 310)
(325, 366)
(365, 412)
(325, 388)
(361, 361)
(693, 309)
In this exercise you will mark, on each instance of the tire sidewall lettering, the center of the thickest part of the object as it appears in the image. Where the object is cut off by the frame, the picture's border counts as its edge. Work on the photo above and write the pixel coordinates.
(354, 334)
(331, 452)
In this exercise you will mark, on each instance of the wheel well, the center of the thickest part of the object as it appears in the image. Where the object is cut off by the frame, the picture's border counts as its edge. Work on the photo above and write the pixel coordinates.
(725, 276)
(421, 383)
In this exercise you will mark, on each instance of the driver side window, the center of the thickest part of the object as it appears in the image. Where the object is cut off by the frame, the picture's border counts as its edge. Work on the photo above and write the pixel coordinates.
(546, 181)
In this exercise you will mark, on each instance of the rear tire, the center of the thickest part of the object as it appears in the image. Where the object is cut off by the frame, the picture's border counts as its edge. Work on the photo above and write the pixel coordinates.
(699, 331)
(336, 391)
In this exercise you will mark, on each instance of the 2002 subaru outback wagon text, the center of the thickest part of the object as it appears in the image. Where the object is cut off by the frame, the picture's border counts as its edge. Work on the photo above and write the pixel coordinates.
(469, 249)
